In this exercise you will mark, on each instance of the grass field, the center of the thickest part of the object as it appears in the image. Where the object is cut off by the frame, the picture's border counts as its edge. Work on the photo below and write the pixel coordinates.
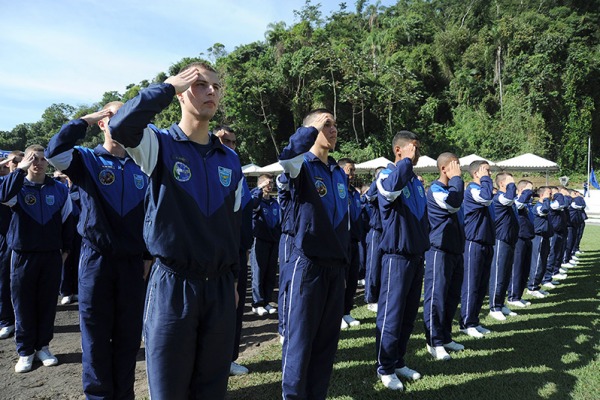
(551, 350)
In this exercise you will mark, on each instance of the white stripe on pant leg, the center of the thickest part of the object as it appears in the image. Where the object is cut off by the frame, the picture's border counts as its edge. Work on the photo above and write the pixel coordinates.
(289, 312)
(468, 280)
(493, 295)
(387, 296)
(432, 299)
(537, 264)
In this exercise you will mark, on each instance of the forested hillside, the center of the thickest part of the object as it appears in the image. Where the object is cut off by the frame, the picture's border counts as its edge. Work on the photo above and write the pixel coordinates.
(492, 77)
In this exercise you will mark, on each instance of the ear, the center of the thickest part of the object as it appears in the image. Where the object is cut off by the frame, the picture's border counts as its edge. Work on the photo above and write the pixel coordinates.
(101, 124)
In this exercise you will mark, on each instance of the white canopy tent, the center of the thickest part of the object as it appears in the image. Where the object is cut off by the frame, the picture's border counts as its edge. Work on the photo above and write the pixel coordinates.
(274, 169)
(529, 162)
(426, 164)
(467, 160)
(372, 165)
(251, 169)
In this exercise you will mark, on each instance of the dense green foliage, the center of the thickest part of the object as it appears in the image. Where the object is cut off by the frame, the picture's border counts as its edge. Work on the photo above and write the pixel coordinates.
(497, 78)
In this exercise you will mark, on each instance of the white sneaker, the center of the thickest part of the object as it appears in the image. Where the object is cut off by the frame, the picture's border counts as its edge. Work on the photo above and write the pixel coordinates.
(261, 311)
(344, 324)
(559, 276)
(361, 282)
(482, 330)
(517, 303)
(549, 285)
(281, 339)
(351, 321)
(573, 262)
(237, 369)
(544, 292)
(527, 303)
(497, 315)
(567, 265)
(65, 300)
(438, 352)
(6, 331)
(24, 364)
(473, 332)
(408, 373)
(578, 253)
(270, 309)
(391, 382)
(574, 257)
(372, 307)
(563, 271)
(453, 346)
(46, 357)
(508, 311)
(536, 293)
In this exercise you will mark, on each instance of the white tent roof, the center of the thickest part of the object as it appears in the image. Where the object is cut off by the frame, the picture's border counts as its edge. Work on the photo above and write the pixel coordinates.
(528, 162)
(274, 168)
(251, 169)
(372, 165)
(426, 164)
(467, 160)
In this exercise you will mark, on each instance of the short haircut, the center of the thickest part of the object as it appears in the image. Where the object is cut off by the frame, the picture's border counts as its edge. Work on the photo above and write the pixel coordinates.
(474, 166)
(542, 189)
(445, 158)
(310, 117)
(116, 103)
(225, 128)
(16, 153)
(501, 177)
(34, 147)
(522, 183)
(343, 161)
(263, 178)
(198, 64)
(403, 137)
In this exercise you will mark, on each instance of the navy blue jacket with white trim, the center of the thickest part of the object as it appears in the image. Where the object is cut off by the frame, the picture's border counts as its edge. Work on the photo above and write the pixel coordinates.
(372, 198)
(266, 221)
(445, 219)
(557, 216)
(541, 225)
(354, 210)
(111, 192)
(42, 219)
(319, 196)
(193, 217)
(479, 223)
(524, 215)
(505, 215)
(403, 208)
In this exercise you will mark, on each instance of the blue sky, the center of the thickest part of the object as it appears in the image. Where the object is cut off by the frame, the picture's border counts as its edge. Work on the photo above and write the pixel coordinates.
(72, 51)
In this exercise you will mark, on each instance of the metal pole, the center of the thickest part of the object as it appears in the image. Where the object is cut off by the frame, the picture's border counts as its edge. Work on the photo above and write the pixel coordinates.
(589, 164)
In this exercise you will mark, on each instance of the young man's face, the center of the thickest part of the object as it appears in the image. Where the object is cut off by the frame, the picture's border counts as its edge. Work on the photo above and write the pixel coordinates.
(350, 170)
(327, 137)
(13, 162)
(227, 138)
(202, 98)
(40, 164)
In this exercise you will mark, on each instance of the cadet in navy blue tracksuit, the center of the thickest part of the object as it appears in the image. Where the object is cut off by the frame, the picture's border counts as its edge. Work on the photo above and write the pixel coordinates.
(354, 211)
(507, 234)
(266, 223)
(7, 313)
(111, 266)
(541, 242)
(228, 138)
(314, 275)
(522, 257)
(192, 228)
(479, 247)
(374, 254)
(405, 239)
(40, 235)
(580, 201)
(444, 260)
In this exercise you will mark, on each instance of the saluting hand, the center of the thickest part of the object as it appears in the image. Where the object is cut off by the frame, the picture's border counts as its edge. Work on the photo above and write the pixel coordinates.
(26, 161)
(93, 118)
(453, 169)
(409, 151)
(182, 81)
(321, 121)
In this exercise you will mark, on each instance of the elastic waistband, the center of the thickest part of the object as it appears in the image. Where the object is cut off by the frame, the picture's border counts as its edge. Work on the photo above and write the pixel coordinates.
(189, 273)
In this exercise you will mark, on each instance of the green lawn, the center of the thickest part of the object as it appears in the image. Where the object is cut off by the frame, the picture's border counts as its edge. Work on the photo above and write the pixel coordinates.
(551, 350)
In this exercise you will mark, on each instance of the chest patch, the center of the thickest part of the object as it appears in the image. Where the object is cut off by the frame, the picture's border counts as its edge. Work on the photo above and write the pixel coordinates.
(50, 199)
(321, 188)
(138, 180)
(106, 177)
(406, 192)
(225, 176)
(341, 190)
(30, 199)
(182, 172)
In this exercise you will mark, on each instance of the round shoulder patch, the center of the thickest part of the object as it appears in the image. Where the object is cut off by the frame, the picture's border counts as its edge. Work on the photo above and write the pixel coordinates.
(30, 199)
(321, 188)
(182, 172)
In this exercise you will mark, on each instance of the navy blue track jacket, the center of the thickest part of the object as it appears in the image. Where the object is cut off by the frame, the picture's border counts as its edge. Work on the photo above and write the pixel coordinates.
(445, 220)
(372, 198)
(319, 195)
(505, 216)
(193, 202)
(111, 191)
(479, 224)
(266, 221)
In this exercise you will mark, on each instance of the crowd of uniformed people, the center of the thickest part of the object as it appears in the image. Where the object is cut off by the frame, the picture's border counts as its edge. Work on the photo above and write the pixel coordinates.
(152, 231)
